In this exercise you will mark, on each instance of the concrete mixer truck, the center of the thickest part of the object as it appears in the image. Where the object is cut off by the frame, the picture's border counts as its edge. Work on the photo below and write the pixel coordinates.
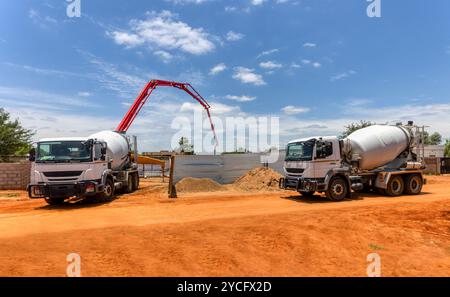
(91, 167)
(379, 157)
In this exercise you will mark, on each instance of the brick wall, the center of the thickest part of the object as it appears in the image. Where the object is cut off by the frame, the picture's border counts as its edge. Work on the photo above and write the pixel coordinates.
(14, 176)
(433, 165)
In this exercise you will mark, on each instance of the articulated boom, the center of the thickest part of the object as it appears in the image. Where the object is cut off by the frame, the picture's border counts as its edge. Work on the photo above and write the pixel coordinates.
(146, 92)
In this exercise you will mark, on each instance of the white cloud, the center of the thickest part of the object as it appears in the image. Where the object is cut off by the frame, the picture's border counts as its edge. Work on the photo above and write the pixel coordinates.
(84, 94)
(270, 65)
(233, 36)
(163, 31)
(248, 76)
(166, 57)
(342, 75)
(295, 65)
(268, 52)
(188, 1)
(317, 65)
(258, 2)
(216, 108)
(240, 98)
(218, 69)
(230, 8)
(306, 62)
(291, 110)
(309, 44)
(39, 19)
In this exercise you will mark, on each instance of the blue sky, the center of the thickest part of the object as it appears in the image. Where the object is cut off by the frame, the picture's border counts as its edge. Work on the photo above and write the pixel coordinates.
(316, 64)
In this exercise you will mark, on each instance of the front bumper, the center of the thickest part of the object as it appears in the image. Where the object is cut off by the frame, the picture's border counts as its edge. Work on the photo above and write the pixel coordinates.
(301, 184)
(79, 189)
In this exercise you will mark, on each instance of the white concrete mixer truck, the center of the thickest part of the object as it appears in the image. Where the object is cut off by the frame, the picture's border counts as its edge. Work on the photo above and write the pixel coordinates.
(379, 157)
(91, 167)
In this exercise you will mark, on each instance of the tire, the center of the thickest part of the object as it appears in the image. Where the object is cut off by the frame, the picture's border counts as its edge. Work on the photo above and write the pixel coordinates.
(135, 181)
(55, 201)
(395, 186)
(337, 189)
(308, 194)
(108, 193)
(413, 184)
(381, 191)
(130, 184)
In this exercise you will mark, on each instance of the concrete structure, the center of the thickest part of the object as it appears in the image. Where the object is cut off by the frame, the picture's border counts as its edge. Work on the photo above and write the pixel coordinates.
(14, 176)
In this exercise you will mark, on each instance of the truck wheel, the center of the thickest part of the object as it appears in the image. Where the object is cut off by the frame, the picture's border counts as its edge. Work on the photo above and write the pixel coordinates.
(130, 183)
(395, 186)
(337, 189)
(413, 184)
(55, 201)
(308, 194)
(108, 192)
(135, 181)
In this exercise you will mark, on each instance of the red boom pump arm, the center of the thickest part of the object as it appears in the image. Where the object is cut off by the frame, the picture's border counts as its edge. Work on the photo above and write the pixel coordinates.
(146, 92)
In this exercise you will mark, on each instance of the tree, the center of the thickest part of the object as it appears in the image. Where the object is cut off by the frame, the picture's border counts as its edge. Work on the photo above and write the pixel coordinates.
(355, 126)
(185, 147)
(433, 139)
(14, 139)
(447, 149)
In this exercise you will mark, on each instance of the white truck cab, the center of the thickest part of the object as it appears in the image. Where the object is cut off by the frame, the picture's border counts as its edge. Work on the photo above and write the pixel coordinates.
(81, 167)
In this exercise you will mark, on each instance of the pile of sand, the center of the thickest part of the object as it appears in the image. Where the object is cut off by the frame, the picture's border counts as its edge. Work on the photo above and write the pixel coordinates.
(194, 185)
(258, 179)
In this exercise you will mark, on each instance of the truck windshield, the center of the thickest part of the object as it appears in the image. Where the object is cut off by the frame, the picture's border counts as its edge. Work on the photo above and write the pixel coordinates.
(300, 151)
(63, 151)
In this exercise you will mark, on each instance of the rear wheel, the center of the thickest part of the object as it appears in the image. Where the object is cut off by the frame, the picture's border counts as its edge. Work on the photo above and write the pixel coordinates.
(395, 186)
(55, 201)
(413, 184)
(337, 189)
(130, 182)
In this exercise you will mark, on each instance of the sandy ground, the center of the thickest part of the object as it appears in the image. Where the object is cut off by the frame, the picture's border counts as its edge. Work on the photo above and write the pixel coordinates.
(228, 234)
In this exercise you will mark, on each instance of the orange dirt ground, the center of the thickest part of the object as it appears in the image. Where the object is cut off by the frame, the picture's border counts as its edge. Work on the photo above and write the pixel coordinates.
(228, 233)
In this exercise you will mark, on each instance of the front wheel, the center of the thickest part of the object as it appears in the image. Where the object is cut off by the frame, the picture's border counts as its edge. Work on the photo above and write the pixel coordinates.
(108, 193)
(337, 189)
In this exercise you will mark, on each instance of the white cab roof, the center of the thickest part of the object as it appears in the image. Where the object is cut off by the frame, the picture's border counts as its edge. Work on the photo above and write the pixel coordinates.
(326, 138)
(63, 139)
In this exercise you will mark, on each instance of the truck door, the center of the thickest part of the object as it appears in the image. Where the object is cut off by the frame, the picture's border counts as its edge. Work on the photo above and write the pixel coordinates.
(326, 157)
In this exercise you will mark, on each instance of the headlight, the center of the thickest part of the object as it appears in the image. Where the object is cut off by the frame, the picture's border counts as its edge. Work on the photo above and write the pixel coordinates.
(37, 191)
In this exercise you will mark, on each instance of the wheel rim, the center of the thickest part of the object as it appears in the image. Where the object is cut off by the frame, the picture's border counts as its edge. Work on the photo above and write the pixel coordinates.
(415, 184)
(108, 190)
(338, 189)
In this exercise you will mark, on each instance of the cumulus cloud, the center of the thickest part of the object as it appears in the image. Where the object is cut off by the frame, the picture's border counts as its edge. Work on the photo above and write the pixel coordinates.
(240, 98)
(234, 36)
(218, 69)
(164, 31)
(270, 65)
(291, 110)
(248, 76)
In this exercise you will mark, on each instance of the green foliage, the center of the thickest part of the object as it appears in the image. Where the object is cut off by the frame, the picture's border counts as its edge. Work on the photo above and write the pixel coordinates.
(354, 127)
(185, 147)
(433, 139)
(447, 148)
(14, 139)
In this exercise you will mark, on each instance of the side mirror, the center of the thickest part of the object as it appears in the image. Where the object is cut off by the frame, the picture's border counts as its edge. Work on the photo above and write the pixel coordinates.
(32, 155)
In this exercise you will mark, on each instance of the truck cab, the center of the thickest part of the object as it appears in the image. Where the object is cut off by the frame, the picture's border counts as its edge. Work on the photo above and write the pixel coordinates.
(69, 167)
(309, 161)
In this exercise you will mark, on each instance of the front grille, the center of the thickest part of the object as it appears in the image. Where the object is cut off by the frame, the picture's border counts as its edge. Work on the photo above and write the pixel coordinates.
(295, 170)
(62, 173)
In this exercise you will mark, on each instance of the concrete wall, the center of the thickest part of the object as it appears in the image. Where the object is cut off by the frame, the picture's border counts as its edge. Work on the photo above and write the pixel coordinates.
(14, 176)
(223, 169)
(433, 166)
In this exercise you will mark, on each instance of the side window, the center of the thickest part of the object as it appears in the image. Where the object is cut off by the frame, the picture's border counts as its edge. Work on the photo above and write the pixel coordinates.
(324, 149)
(97, 151)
